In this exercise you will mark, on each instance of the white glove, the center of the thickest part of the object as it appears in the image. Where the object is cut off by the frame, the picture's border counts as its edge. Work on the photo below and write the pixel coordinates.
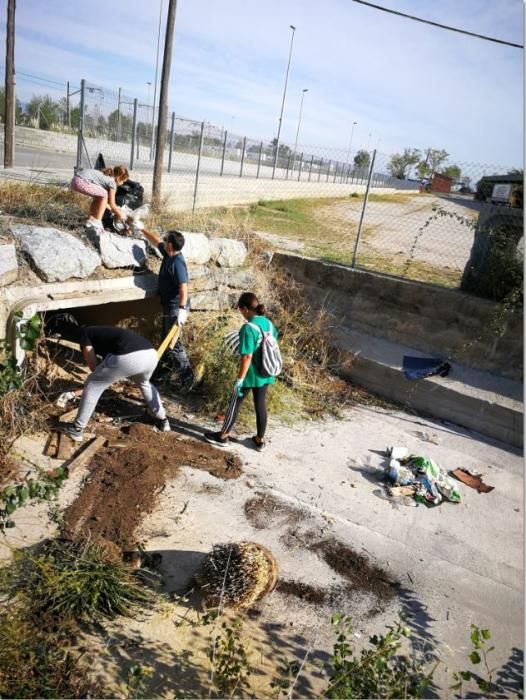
(182, 317)
(137, 227)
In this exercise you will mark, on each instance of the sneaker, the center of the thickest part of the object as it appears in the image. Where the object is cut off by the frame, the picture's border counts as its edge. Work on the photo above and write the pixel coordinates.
(214, 439)
(258, 446)
(71, 430)
(163, 425)
(95, 225)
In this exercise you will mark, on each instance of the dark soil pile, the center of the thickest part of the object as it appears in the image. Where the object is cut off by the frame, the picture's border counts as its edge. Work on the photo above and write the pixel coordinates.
(264, 511)
(125, 481)
(356, 568)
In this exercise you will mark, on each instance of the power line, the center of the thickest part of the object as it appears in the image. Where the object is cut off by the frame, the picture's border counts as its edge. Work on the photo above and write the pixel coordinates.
(437, 24)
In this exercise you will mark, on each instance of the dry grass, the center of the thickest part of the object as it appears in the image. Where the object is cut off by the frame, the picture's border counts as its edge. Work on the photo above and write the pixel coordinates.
(43, 204)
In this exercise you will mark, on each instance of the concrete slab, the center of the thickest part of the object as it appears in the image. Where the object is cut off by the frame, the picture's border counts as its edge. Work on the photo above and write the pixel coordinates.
(477, 400)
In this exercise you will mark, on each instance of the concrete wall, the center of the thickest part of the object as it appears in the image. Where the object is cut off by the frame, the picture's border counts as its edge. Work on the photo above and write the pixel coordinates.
(427, 318)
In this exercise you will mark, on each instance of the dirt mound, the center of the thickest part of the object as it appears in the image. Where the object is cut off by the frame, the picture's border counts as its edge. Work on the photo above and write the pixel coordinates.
(125, 480)
(356, 568)
(264, 511)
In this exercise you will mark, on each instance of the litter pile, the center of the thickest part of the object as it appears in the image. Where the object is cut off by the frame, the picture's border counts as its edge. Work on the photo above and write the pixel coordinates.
(420, 477)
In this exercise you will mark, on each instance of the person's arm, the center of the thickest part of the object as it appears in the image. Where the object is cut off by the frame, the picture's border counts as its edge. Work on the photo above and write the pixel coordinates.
(183, 294)
(152, 237)
(90, 357)
(244, 364)
(112, 205)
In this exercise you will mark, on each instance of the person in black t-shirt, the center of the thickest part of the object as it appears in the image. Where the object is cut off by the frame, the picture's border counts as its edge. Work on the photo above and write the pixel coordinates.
(173, 292)
(125, 355)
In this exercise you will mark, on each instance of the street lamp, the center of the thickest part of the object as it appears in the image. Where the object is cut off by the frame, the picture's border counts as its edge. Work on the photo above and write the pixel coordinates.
(298, 129)
(283, 101)
(349, 149)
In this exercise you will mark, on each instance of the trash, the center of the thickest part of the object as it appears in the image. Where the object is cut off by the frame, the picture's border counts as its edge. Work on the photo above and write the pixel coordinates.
(472, 479)
(64, 398)
(421, 367)
(401, 490)
(397, 452)
(429, 483)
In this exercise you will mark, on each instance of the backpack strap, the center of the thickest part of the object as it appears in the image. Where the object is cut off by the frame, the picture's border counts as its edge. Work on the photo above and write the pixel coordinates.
(260, 330)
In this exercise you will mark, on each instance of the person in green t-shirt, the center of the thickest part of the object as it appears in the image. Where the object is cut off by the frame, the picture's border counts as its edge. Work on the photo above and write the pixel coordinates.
(249, 376)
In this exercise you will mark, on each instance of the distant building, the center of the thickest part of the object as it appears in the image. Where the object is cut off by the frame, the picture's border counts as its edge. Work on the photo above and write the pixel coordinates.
(492, 188)
(441, 183)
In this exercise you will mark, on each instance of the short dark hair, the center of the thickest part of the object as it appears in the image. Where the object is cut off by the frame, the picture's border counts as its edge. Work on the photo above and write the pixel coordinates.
(176, 238)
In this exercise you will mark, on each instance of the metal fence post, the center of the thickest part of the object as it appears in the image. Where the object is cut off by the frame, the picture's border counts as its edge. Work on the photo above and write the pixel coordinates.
(198, 165)
(288, 167)
(319, 169)
(134, 134)
(310, 169)
(259, 157)
(172, 129)
(328, 170)
(335, 171)
(243, 157)
(299, 168)
(364, 207)
(80, 135)
(223, 156)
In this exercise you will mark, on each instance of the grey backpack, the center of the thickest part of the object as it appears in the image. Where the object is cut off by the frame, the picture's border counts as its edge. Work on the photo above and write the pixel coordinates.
(271, 360)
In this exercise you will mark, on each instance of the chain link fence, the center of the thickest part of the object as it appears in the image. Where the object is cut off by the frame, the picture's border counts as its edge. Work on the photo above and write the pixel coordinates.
(413, 215)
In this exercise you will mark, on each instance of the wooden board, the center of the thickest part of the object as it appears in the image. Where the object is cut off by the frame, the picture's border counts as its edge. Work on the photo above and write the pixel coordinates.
(85, 455)
(51, 446)
(66, 417)
(65, 446)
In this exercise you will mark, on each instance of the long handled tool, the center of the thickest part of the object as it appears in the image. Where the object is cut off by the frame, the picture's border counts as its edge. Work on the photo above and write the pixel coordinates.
(170, 340)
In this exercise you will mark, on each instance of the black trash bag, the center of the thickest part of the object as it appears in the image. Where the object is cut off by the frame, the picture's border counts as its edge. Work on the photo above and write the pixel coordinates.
(131, 194)
(99, 163)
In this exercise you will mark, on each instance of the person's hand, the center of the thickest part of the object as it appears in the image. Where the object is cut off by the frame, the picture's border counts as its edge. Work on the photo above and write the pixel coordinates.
(182, 317)
(239, 387)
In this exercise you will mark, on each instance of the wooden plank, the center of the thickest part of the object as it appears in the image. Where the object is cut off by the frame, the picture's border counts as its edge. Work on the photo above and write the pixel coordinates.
(66, 417)
(170, 340)
(65, 446)
(50, 449)
(84, 456)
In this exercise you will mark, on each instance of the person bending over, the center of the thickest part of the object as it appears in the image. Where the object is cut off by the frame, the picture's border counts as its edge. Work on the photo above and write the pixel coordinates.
(124, 355)
(101, 186)
(250, 378)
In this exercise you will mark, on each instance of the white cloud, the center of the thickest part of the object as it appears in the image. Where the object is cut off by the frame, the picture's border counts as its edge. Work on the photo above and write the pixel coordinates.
(406, 83)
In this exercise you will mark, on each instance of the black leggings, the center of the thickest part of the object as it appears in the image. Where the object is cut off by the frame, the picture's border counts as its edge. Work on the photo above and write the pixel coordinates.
(260, 404)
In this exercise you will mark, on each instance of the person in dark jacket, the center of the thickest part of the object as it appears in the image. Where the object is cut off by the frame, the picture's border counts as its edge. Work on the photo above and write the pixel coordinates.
(124, 355)
(173, 292)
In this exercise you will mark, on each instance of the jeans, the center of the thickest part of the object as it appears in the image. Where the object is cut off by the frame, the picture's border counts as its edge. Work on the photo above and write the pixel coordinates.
(175, 358)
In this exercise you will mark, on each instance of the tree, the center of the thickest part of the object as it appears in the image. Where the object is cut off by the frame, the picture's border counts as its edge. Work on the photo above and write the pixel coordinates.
(44, 110)
(452, 171)
(284, 150)
(18, 107)
(400, 163)
(362, 159)
(433, 160)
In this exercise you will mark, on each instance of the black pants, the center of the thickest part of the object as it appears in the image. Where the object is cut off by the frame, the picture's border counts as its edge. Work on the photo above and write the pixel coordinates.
(260, 404)
(175, 358)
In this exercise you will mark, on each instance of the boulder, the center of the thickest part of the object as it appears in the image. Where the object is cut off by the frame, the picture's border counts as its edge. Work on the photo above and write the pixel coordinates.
(197, 248)
(121, 251)
(228, 252)
(236, 279)
(55, 255)
(210, 301)
(8, 264)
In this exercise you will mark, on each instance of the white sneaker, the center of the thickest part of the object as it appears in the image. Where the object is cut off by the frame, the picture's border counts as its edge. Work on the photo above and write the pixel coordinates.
(95, 225)
(163, 425)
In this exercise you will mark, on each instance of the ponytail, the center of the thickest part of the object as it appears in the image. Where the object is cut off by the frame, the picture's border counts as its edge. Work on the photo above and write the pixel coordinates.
(249, 301)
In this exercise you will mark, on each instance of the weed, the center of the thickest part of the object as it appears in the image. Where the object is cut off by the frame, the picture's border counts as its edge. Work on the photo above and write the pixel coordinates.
(139, 680)
(77, 580)
(230, 662)
(479, 655)
(380, 671)
(16, 496)
(43, 204)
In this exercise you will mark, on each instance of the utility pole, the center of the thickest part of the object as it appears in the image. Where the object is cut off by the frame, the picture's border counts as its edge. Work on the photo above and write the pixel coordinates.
(68, 117)
(276, 153)
(163, 105)
(156, 74)
(9, 111)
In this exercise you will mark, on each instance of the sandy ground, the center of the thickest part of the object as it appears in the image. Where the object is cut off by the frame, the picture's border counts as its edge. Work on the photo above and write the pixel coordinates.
(401, 228)
(453, 565)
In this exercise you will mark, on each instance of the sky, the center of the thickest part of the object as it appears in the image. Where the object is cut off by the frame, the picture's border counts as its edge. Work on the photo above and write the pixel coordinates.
(406, 84)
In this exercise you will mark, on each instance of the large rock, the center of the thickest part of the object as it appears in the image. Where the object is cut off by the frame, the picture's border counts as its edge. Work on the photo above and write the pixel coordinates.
(197, 248)
(8, 264)
(56, 255)
(120, 251)
(228, 252)
(237, 279)
(211, 301)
